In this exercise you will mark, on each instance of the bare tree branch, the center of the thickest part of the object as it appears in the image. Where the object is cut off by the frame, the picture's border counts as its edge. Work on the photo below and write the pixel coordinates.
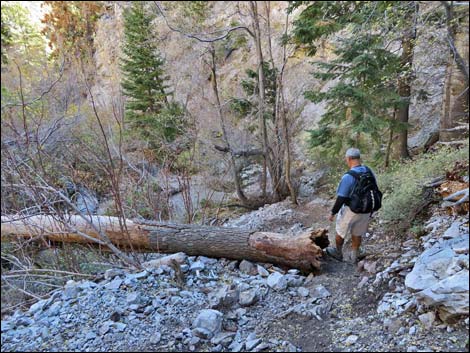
(198, 36)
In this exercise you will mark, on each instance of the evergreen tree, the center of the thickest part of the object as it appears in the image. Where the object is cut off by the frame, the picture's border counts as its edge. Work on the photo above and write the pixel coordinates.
(249, 106)
(360, 107)
(149, 114)
(392, 20)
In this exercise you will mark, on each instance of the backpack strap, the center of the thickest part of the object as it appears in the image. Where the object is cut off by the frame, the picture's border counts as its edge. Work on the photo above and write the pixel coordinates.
(355, 174)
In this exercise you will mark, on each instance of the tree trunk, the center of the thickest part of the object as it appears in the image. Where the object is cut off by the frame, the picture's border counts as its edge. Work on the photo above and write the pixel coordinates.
(262, 99)
(302, 252)
(404, 82)
(293, 193)
(236, 176)
(454, 117)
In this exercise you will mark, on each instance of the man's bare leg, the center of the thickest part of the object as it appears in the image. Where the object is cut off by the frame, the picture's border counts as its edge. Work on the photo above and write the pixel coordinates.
(337, 252)
(355, 245)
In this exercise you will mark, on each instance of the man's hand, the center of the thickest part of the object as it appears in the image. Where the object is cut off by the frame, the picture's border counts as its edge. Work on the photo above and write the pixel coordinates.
(331, 218)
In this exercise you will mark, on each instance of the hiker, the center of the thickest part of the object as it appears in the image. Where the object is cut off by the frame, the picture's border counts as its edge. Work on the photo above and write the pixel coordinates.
(357, 198)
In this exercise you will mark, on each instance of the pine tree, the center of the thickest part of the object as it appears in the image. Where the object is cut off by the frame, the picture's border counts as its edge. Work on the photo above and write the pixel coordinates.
(149, 114)
(249, 106)
(360, 107)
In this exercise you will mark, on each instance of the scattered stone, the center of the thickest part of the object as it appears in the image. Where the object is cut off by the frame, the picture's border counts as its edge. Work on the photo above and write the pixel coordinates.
(439, 280)
(194, 340)
(262, 271)
(224, 297)
(236, 346)
(303, 292)
(247, 267)
(320, 292)
(223, 338)
(277, 281)
(392, 325)
(114, 284)
(363, 282)
(294, 280)
(352, 339)
(90, 336)
(155, 339)
(6, 326)
(207, 260)
(166, 260)
(71, 290)
(250, 344)
(427, 319)
(197, 266)
(112, 272)
(133, 298)
(370, 266)
(208, 320)
(248, 297)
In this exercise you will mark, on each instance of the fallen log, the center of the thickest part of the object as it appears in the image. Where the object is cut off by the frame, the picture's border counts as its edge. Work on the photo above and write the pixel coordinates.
(303, 251)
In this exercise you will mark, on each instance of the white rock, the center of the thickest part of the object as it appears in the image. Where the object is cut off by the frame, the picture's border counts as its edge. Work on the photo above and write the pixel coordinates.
(262, 271)
(166, 260)
(277, 281)
(224, 338)
(197, 266)
(352, 339)
(114, 284)
(246, 267)
(303, 292)
(427, 319)
(250, 344)
(248, 297)
(209, 320)
(320, 292)
(155, 338)
(453, 231)
(439, 280)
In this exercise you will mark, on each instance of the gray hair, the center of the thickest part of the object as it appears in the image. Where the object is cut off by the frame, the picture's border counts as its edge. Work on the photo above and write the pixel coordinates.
(353, 153)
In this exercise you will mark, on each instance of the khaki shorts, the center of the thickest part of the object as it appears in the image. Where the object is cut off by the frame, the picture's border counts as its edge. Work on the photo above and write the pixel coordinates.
(348, 221)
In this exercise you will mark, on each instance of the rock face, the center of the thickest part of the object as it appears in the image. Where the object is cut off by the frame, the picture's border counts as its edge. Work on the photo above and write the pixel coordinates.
(440, 276)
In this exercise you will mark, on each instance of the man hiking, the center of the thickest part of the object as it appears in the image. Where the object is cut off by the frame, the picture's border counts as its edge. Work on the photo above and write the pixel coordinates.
(357, 198)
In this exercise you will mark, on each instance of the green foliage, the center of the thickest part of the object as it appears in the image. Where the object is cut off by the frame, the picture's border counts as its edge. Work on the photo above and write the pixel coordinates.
(360, 106)
(195, 9)
(234, 40)
(18, 34)
(149, 114)
(248, 106)
(320, 19)
(403, 183)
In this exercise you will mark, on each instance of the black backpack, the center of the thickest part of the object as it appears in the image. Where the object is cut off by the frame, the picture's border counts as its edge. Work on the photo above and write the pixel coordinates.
(366, 196)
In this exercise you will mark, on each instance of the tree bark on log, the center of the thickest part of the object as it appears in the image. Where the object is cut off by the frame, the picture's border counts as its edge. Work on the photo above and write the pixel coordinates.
(303, 251)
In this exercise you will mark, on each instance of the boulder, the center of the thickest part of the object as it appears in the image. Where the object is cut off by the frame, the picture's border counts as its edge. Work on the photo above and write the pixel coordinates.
(277, 281)
(208, 323)
(440, 277)
(247, 267)
(248, 297)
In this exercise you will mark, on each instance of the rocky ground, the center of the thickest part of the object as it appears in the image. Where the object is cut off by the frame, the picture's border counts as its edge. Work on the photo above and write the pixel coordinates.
(394, 300)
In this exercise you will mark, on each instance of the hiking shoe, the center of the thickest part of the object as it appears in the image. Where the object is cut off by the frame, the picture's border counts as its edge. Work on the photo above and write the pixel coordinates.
(334, 253)
(357, 256)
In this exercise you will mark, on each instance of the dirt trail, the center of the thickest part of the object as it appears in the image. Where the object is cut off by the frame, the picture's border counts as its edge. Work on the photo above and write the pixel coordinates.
(353, 313)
